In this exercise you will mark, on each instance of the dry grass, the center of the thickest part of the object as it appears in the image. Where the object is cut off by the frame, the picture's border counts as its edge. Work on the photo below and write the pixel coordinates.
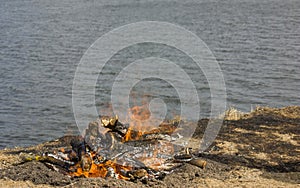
(233, 114)
(292, 112)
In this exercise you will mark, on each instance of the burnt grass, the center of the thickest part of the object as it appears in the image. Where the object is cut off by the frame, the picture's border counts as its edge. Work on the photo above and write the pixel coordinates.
(256, 143)
(264, 145)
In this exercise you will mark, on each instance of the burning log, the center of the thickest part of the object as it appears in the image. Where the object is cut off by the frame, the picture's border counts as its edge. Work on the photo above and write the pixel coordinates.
(120, 151)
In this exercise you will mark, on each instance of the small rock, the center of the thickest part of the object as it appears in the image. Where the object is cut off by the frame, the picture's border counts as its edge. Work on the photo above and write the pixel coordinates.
(185, 175)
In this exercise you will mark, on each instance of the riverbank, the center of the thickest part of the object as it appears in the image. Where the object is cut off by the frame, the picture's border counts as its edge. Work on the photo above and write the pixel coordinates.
(256, 149)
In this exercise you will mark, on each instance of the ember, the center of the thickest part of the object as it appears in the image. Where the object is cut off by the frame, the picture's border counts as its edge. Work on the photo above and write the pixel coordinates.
(122, 151)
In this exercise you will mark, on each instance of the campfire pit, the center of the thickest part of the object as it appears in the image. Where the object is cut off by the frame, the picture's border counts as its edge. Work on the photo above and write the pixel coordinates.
(112, 149)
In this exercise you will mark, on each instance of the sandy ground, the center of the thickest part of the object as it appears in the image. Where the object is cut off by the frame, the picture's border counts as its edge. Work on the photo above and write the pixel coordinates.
(257, 149)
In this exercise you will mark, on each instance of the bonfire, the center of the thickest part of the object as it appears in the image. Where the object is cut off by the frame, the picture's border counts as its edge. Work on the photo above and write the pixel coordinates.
(111, 149)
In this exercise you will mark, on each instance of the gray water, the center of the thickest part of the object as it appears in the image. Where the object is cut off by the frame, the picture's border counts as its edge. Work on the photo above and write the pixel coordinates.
(256, 43)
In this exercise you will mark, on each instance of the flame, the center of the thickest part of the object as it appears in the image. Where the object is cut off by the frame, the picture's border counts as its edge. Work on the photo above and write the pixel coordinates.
(140, 113)
(137, 116)
(101, 170)
(138, 127)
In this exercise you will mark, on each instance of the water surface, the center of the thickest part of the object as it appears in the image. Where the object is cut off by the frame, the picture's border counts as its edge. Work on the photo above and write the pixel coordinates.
(255, 42)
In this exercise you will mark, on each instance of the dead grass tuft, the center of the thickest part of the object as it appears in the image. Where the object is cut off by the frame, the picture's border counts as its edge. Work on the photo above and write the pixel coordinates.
(233, 114)
(292, 112)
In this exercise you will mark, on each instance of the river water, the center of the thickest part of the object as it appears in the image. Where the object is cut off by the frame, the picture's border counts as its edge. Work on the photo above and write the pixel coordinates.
(256, 43)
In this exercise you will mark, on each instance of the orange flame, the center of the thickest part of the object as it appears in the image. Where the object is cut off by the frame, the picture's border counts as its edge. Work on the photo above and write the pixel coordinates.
(138, 127)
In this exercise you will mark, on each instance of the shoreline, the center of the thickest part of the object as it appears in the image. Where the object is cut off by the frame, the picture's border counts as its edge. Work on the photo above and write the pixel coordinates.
(259, 148)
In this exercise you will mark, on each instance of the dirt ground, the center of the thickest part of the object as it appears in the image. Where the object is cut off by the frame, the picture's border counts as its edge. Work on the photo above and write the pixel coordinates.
(256, 149)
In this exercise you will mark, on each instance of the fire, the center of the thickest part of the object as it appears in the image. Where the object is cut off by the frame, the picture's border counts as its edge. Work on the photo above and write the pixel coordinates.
(113, 152)
(140, 113)
(103, 170)
(138, 128)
